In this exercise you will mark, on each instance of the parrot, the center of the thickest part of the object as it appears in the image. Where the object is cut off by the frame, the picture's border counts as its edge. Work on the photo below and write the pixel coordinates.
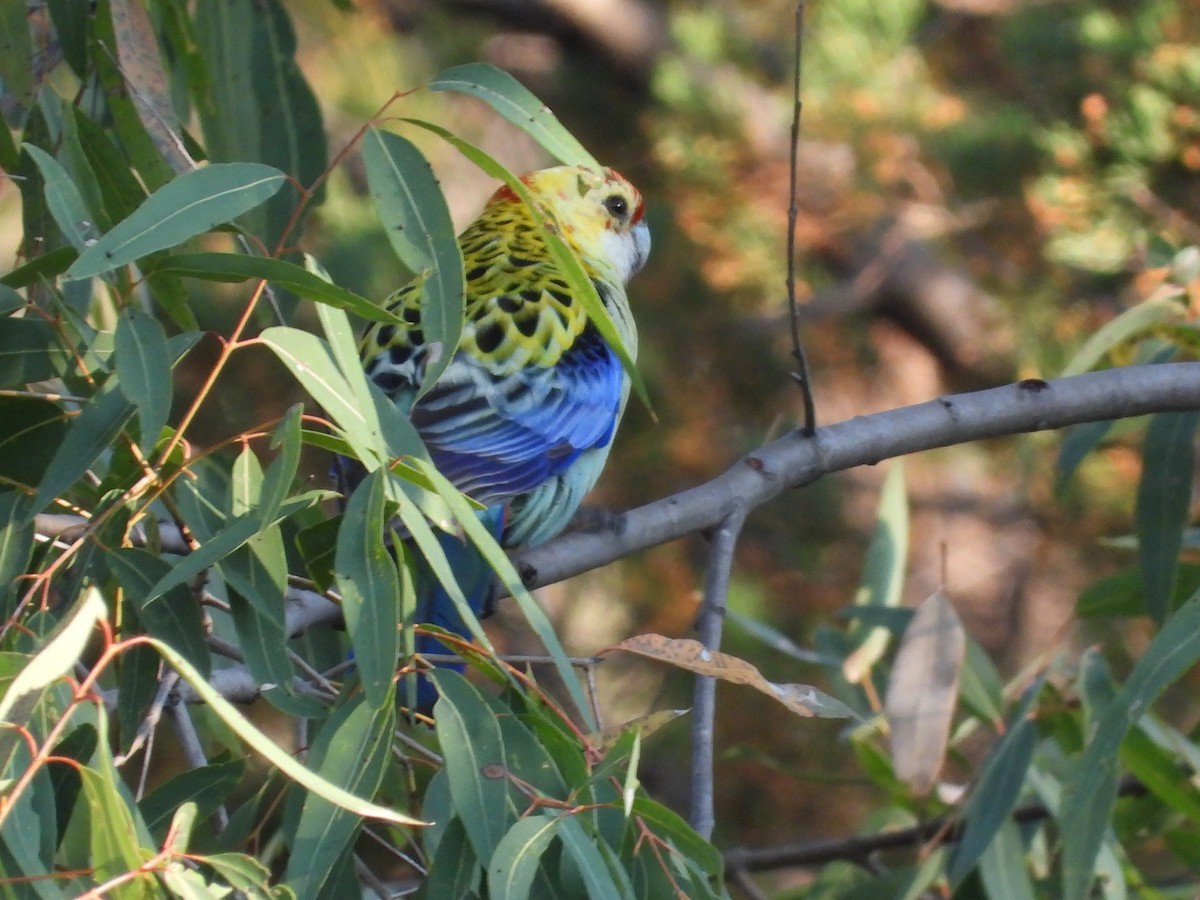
(522, 418)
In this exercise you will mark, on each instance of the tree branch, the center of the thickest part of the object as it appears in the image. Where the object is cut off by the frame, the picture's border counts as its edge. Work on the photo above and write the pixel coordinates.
(794, 461)
(858, 847)
(704, 703)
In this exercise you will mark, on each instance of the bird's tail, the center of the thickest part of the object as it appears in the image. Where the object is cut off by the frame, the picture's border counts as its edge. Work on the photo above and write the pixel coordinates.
(475, 578)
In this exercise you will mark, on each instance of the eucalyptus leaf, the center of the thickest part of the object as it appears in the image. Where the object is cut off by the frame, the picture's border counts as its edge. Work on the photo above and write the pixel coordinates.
(192, 204)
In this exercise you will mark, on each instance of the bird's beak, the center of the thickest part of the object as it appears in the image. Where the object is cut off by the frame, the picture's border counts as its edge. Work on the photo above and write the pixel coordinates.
(641, 245)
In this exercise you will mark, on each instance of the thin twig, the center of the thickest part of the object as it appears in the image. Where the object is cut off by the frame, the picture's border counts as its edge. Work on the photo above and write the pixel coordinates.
(858, 848)
(704, 704)
(741, 879)
(150, 721)
(801, 375)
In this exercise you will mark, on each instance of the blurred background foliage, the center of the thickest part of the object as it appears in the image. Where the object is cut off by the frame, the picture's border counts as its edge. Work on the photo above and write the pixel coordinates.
(983, 183)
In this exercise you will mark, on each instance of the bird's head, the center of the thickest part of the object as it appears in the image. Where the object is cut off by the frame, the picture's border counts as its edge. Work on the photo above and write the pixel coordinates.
(597, 211)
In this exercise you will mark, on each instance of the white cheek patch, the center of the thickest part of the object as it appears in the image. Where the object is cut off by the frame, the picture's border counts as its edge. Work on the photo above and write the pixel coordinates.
(627, 252)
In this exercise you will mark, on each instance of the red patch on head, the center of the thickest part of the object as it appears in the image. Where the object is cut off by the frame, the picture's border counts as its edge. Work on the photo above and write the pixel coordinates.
(640, 211)
(504, 194)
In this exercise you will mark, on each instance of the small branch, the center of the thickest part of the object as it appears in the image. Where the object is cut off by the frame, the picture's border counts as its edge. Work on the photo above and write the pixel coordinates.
(857, 848)
(704, 704)
(801, 375)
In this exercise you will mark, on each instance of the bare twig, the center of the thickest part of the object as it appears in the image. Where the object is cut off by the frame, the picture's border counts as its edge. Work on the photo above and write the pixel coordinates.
(859, 848)
(801, 375)
(704, 703)
(145, 732)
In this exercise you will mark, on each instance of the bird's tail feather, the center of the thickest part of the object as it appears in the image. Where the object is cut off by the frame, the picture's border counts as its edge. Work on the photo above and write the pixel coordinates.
(475, 578)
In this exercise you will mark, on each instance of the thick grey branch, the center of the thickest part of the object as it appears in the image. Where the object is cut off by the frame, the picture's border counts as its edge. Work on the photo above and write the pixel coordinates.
(795, 460)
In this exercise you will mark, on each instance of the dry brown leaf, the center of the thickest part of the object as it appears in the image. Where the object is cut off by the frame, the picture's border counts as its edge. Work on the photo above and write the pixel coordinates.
(923, 692)
(685, 653)
(142, 68)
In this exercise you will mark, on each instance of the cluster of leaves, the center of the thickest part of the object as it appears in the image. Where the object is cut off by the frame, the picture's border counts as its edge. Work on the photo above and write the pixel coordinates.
(139, 573)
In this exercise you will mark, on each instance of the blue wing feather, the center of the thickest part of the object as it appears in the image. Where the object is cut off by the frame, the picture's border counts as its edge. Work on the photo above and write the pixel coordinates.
(496, 438)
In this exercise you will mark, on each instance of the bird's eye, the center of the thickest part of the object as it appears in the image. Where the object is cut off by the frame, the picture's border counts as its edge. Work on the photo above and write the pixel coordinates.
(617, 205)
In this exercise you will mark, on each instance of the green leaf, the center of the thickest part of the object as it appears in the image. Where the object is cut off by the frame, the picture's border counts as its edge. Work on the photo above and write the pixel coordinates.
(580, 284)
(259, 570)
(120, 191)
(470, 738)
(71, 28)
(144, 367)
(192, 204)
(16, 58)
(1157, 768)
(883, 572)
(1091, 792)
(982, 687)
(370, 588)
(78, 746)
(206, 786)
(1163, 503)
(10, 300)
(62, 197)
(1128, 325)
(55, 659)
(172, 616)
(311, 362)
(997, 790)
(137, 681)
(263, 641)
(118, 837)
(525, 757)
(417, 222)
(589, 862)
(235, 267)
(1123, 594)
(31, 429)
(670, 825)
(317, 544)
(454, 870)
(351, 751)
(246, 874)
(517, 104)
(277, 481)
(29, 832)
(255, 103)
(1078, 441)
(518, 856)
(30, 350)
(49, 265)
(16, 546)
(276, 755)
